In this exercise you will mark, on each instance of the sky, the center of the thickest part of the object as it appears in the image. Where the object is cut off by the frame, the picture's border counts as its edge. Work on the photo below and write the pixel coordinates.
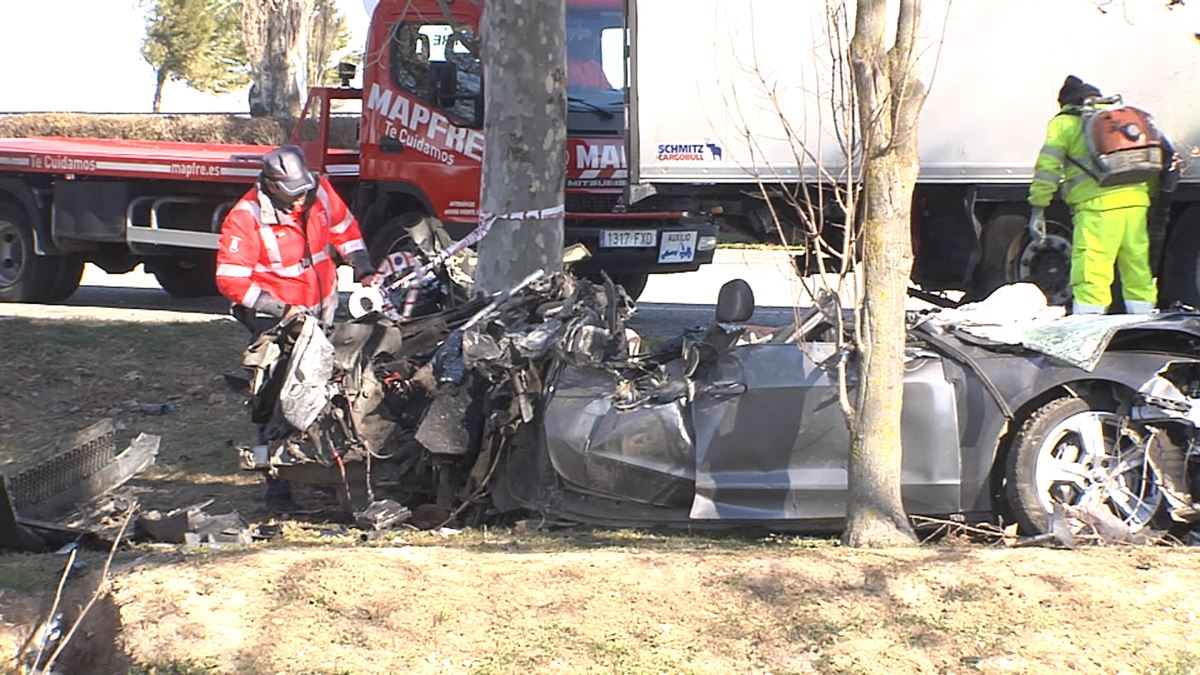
(85, 56)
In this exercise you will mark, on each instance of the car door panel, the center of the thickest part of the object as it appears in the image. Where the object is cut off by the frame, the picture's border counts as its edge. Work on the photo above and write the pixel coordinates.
(779, 451)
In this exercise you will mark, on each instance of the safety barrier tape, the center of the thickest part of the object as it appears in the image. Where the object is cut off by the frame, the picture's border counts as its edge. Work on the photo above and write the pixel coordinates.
(411, 282)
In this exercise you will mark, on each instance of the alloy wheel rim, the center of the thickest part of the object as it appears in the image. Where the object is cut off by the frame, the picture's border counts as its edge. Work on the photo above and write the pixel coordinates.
(1092, 459)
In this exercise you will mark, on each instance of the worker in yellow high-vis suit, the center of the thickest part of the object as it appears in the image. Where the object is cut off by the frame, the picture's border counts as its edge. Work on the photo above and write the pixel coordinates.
(1109, 223)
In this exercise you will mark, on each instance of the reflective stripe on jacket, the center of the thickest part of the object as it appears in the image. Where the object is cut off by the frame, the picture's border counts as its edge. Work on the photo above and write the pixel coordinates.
(261, 255)
(1064, 139)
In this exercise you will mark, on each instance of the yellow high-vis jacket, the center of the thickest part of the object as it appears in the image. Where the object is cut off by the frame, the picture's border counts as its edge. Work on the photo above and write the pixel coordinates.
(1064, 139)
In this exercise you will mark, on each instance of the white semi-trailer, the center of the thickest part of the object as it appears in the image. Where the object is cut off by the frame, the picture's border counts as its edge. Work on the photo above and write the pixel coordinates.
(727, 93)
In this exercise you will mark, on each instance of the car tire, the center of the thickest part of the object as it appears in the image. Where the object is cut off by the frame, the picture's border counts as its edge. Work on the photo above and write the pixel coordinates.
(1052, 461)
(24, 275)
(193, 277)
(633, 283)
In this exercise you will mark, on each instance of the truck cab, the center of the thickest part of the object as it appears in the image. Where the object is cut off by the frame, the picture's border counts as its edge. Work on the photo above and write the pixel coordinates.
(417, 152)
(421, 138)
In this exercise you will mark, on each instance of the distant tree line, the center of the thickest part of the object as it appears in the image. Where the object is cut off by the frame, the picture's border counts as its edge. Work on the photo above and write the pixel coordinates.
(279, 47)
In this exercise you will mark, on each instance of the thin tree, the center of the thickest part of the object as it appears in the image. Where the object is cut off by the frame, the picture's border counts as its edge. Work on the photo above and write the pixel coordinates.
(524, 66)
(865, 252)
(889, 103)
(197, 42)
(328, 36)
(276, 38)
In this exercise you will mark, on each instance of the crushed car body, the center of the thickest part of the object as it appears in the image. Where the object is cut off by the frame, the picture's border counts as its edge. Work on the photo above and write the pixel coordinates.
(531, 402)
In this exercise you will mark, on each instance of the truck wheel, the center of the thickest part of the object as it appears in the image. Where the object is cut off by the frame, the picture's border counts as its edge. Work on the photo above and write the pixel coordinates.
(633, 283)
(24, 276)
(1180, 281)
(392, 237)
(1009, 256)
(194, 277)
(68, 271)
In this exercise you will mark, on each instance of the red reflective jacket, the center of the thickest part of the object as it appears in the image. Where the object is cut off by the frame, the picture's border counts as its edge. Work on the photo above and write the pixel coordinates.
(266, 260)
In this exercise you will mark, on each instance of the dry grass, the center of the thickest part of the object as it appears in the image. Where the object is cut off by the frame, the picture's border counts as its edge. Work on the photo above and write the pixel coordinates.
(62, 376)
(518, 603)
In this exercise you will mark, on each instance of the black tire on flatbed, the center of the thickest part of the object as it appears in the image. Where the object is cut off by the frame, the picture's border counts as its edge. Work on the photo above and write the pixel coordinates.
(24, 275)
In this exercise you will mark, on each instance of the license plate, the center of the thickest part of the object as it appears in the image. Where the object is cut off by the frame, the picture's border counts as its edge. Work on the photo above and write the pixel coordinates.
(677, 247)
(628, 238)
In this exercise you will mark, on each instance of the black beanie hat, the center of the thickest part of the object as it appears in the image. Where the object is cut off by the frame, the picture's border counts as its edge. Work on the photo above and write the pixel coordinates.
(1075, 90)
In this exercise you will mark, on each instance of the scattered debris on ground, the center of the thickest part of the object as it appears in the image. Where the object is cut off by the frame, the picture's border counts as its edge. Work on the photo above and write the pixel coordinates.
(70, 495)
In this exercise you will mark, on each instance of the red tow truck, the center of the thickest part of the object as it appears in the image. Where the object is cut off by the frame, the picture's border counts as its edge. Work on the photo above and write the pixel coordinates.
(120, 203)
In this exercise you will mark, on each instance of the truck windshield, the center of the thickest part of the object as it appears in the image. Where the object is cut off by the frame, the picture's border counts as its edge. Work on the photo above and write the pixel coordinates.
(595, 55)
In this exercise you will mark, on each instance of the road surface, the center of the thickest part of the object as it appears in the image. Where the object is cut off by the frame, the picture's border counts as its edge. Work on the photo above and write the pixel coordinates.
(670, 303)
(674, 301)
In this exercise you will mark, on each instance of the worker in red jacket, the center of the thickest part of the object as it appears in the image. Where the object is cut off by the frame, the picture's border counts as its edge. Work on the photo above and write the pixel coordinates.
(279, 244)
(277, 257)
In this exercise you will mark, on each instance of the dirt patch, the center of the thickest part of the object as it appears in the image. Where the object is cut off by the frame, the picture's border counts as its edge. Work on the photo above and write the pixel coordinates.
(672, 605)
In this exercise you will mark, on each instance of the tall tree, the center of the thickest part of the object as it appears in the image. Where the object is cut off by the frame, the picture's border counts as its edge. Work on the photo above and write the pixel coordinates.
(197, 42)
(889, 98)
(276, 37)
(525, 137)
(329, 34)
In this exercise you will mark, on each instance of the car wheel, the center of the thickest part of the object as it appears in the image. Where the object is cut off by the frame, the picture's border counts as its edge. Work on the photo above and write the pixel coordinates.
(634, 284)
(1073, 452)
(187, 277)
(24, 275)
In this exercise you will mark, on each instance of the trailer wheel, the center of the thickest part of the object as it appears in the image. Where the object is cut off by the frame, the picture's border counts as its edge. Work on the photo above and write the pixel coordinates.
(194, 277)
(24, 276)
(1180, 280)
(1010, 256)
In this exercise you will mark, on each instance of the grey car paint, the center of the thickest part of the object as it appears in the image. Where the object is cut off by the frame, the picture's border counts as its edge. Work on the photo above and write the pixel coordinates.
(562, 423)
(762, 437)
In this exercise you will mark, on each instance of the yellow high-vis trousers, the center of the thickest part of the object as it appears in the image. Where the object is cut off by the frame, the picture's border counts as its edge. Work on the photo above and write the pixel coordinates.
(1102, 238)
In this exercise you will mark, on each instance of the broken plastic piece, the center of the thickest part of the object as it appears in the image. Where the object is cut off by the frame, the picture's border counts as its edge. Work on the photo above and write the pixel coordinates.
(382, 514)
(194, 527)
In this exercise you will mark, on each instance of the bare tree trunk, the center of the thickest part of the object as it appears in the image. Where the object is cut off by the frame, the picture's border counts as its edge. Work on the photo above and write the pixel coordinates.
(158, 89)
(322, 31)
(525, 137)
(890, 99)
(276, 35)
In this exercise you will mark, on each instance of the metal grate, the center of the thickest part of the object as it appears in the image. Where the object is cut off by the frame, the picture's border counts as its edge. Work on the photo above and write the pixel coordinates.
(593, 203)
(89, 451)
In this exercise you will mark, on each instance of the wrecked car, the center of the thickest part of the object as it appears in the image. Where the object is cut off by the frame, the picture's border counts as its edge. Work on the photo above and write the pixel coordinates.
(534, 402)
